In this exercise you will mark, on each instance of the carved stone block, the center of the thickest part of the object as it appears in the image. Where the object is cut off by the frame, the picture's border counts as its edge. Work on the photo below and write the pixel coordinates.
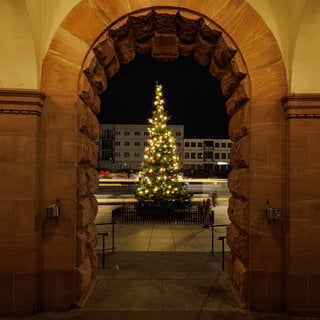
(238, 182)
(224, 53)
(238, 241)
(165, 47)
(240, 153)
(237, 100)
(238, 212)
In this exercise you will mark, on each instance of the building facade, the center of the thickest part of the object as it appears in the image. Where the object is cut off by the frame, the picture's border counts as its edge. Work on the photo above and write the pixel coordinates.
(207, 157)
(121, 146)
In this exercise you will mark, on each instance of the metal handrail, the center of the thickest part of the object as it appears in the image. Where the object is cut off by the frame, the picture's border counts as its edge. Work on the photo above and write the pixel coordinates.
(212, 226)
(104, 234)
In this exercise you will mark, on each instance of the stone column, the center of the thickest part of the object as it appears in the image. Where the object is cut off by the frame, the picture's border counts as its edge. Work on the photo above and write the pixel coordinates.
(20, 114)
(303, 204)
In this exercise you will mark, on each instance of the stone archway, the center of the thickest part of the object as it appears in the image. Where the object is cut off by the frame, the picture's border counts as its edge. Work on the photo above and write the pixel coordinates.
(166, 34)
(252, 77)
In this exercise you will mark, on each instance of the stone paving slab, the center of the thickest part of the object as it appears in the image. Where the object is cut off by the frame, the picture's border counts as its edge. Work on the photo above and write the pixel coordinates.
(159, 315)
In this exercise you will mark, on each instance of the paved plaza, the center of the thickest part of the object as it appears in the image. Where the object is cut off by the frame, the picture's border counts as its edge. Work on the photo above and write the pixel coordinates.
(161, 271)
(171, 237)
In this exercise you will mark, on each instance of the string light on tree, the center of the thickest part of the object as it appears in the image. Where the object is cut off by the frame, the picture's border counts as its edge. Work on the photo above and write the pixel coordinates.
(158, 185)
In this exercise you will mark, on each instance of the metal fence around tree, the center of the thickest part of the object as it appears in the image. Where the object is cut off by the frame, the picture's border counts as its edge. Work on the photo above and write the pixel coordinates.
(128, 214)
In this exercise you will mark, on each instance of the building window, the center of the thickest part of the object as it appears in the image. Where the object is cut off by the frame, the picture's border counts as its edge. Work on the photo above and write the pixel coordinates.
(178, 134)
(117, 154)
(106, 155)
(117, 133)
(145, 143)
(137, 133)
(217, 145)
(223, 145)
(217, 155)
(107, 133)
(200, 155)
(187, 155)
(223, 155)
(126, 154)
(117, 143)
(146, 133)
(127, 133)
(137, 155)
(229, 145)
(208, 155)
(107, 144)
(193, 144)
(200, 144)
(193, 155)
(127, 143)
(137, 143)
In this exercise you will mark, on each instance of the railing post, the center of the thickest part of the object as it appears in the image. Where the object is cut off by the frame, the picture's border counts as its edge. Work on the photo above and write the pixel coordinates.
(222, 244)
(212, 239)
(103, 249)
(112, 237)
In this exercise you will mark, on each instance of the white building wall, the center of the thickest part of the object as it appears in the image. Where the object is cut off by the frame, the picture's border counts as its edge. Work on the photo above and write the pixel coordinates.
(129, 142)
(209, 155)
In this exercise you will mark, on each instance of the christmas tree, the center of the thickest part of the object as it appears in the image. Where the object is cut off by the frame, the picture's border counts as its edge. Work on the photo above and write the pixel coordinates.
(159, 187)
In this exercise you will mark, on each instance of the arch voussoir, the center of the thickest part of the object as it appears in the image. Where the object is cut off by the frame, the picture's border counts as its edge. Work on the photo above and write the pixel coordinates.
(237, 100)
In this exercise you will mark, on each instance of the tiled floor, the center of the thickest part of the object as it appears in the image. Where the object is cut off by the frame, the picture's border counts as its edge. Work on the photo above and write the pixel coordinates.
(161, 267)
(167, 238)
(161, 281)
(163, 237)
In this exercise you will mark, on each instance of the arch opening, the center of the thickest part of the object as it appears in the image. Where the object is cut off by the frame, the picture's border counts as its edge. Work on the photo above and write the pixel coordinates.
(165, 35)
(192, 97)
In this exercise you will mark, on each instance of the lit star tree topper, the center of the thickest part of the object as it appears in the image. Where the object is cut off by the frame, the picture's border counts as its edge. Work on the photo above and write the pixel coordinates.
(159, 186)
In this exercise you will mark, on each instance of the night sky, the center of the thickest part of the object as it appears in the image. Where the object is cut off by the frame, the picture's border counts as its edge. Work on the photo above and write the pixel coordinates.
(192, 96)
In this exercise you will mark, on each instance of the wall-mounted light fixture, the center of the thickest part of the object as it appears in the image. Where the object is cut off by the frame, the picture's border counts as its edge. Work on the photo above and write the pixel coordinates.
(272, 213)
(53, 210)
